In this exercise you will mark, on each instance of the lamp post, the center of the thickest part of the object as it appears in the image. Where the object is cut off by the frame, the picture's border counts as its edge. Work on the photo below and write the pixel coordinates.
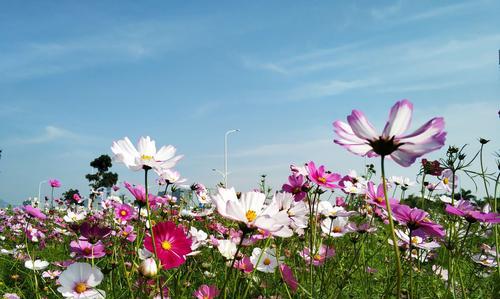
(225, 154)
(40, 191)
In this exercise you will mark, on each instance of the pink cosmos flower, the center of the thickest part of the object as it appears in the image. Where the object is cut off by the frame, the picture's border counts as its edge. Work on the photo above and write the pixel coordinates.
(206, 292)
(124, 212)
(244, 264)
(322, 177)
(288, 277)
(77, 198)
(360, 137)
(54, 183)
(139, 193)
(172, 244)
(35, 212)
(83, 248)
(464, 208)
(377, 197)
(318, 258)
(128, 233)
(417, 221)
(296, 186)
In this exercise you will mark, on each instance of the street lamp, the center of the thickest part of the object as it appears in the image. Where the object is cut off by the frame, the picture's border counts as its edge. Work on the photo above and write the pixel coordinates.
(225, 154)
(40, 191)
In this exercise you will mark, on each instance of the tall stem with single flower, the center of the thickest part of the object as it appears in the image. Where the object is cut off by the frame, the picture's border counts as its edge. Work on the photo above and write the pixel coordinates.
(393, 234)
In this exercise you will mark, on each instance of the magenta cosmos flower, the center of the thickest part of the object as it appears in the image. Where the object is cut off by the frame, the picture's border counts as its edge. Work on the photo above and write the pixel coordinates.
(124, 212)
(206, 292)
(376, 196)
(417, 221)
(467, 210)
(35, 212)
(172, 244)
(54, 183)
(321, 177)
(288, 277)
(139, 193)
(360, 137)
(296, 186)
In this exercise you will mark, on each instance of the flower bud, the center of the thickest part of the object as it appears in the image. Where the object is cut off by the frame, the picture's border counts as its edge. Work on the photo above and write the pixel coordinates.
(148, 267)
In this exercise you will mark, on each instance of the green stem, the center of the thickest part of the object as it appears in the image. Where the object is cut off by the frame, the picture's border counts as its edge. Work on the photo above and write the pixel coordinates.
(393, 234)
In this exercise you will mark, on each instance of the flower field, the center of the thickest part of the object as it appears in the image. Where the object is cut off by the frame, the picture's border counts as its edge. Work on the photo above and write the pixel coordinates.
(323, 234)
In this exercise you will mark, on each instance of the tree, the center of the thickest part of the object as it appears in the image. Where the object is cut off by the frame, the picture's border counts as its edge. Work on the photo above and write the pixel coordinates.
(102, 178)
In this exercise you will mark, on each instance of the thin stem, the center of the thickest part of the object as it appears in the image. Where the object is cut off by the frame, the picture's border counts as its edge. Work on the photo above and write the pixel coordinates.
(393, 234)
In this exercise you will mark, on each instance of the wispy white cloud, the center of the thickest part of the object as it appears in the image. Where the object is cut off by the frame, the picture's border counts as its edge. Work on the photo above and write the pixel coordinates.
(49, 134)
(204, 109)
(128, 43)
(387, 11)
(442, 11)
(328, 88)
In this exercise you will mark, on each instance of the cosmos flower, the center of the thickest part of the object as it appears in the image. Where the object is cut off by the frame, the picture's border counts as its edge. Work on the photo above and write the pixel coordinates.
(54, 183)
(139, 193)
(36, 264)
(416, 241)
(227, 248)
(287, 274)
(52, 274)
(318, 257)
(206, 292)
(35, 212)
(321, 177)
(71, 216)
(170, 176)
(93, 232)
(244, 264)
(250, 210)
(83, 248)
(145, 155)
(464, 208)
(417, 220)
(265, 261)
(124, 212)
(431, 167)
(296, 186)
(172, 244)
(360, 137)
(335, 227)
(80, 280)
(446, 181)
(376, 197)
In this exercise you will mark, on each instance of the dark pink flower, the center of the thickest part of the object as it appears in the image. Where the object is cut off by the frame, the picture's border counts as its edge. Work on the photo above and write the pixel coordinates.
(206, 292)
(417, 221)
(139, 193)
(54, 183)
(322, 177)
(172, 244)
(376, 197)
(244, 264)
(360, 137)
(288, 277)
(77, 198)
(35, 212)
(296, 186)
(318, 258)
(124, 212)
(464, 208)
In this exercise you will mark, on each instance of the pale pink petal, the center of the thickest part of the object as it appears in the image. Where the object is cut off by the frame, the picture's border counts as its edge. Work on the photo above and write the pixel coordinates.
(399, 119)
(361, 126)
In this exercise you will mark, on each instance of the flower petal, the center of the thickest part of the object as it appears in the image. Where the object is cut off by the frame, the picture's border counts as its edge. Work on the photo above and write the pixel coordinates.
(399, 119)
(361, 126)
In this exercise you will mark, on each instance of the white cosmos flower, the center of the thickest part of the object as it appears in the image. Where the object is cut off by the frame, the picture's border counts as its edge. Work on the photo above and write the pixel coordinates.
(401, 181)
(144, 155)
(172, 176)
(268, 260)
(79, 281)
(36, 265)
(297, 211)
(227, 248)
(198, 238)
(326, 208)
(250, 210)
(74, 217)
(335, 227)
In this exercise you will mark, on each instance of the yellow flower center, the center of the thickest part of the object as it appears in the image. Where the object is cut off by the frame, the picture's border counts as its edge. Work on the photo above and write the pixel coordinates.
(251, 215)
(317, 257)
(337, 229)
(379, 199)
(322, 180)
(166, 245)
(267, 261)
(446, 181)
(80, 287)
(414, 240)
(123, 213)
(125, 234)
(146, 157)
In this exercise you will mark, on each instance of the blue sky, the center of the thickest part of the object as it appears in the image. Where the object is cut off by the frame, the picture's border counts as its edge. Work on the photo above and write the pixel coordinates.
(74, 76)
